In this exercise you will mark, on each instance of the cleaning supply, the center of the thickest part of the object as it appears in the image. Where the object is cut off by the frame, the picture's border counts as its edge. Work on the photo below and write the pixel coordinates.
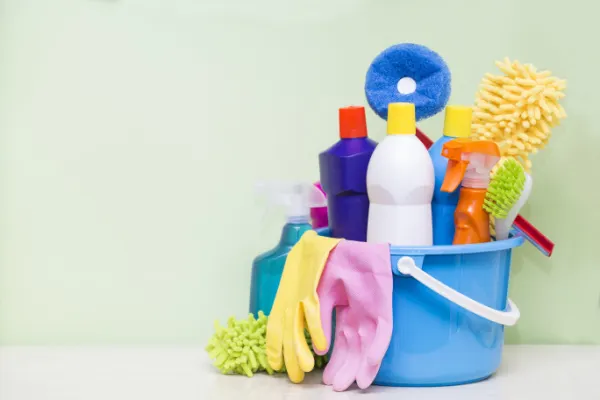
(385, 84)
(400, 183)
(509, 190)
(240, 347)
(521, 225)
(457, 124)
(297, 307)
(502, 225)
(297, 198)
(357, 283)
(470, 162)
(506, 185)
(450, 306)
(343, 169)
(408, 73)
(518, 109)
(318, 215)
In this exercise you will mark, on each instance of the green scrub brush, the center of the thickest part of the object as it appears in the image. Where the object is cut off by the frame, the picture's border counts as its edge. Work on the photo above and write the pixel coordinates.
(508, 191)
(240, 347)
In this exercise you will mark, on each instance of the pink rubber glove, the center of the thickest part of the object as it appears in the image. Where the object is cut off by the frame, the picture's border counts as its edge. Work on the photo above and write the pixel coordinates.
(357, 282)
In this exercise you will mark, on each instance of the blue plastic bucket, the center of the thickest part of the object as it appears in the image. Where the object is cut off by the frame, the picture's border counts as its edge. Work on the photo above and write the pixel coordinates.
(436, 341)
(450, 307)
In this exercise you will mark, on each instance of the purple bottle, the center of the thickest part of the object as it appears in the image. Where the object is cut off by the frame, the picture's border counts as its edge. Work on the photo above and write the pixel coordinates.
(343, 170)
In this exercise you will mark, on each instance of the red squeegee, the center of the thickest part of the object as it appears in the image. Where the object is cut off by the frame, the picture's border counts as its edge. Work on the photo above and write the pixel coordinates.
(531, 233)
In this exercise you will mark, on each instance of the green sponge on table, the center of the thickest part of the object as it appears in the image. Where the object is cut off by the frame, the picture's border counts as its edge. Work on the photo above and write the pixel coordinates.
(240, 347)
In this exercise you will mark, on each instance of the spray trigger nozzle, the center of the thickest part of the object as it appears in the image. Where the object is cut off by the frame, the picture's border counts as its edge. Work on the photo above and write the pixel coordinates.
(297, 198)
(469, 161)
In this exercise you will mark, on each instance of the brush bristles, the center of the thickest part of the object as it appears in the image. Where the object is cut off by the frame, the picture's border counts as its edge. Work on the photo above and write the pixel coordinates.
(505, 188)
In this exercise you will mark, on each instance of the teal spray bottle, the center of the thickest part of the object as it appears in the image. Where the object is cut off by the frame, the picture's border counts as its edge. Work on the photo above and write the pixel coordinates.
(296, 198)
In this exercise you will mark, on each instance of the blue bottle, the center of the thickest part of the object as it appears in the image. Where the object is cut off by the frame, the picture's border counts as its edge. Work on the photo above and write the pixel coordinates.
(456, 125)
(343, 169)
(267, 268)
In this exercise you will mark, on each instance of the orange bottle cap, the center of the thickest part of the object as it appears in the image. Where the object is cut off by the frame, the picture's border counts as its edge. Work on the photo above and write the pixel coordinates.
(353, 122)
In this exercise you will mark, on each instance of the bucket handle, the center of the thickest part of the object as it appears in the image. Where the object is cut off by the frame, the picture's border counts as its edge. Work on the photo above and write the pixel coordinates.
(407, 266)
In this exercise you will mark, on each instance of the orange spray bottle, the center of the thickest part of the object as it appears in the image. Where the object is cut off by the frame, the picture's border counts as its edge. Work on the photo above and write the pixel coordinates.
(471, 162)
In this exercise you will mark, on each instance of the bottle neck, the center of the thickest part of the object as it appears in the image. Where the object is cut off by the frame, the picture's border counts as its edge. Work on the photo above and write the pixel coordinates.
(476, 180)
(355, 139)
(293, 230)
(305, 219)
(473, 195)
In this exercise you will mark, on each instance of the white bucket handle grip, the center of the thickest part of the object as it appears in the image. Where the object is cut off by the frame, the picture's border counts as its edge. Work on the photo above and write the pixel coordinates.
(407, 266)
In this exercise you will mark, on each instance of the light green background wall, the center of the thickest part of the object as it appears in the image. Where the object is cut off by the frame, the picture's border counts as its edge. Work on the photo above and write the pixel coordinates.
(132, 131)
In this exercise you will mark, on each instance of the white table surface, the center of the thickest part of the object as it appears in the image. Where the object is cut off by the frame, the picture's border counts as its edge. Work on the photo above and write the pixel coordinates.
(41, 373)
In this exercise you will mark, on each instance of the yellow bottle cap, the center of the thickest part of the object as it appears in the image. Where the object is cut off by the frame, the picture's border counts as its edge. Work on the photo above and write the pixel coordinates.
(458, 121)
(401, 119)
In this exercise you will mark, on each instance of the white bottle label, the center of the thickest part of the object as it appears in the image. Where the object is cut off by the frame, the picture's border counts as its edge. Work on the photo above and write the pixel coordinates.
(400, 182)
(405, 225)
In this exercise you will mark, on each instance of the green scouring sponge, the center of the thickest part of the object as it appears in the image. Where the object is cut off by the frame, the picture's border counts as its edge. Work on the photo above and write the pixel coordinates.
(240, 347)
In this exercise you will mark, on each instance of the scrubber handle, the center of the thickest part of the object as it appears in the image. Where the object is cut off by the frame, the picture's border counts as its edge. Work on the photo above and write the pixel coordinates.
(407, 266)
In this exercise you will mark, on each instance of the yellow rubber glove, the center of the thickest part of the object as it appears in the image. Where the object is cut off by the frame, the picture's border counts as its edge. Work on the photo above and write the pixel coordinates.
(297, 306)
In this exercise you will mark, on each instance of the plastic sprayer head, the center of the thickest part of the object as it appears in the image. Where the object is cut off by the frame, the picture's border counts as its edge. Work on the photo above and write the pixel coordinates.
(297, 198)
(470, 162)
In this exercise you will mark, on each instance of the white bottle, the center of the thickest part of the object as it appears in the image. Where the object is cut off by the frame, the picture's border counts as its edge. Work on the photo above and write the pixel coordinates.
(400, 183)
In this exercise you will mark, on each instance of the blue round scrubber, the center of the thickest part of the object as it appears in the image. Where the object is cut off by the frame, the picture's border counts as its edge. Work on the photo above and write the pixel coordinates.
(408, 73)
